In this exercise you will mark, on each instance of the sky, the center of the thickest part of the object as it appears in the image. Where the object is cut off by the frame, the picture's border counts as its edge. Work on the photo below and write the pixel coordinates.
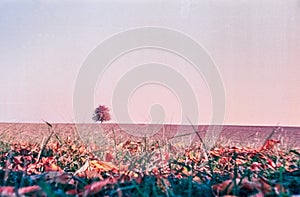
(255, 46)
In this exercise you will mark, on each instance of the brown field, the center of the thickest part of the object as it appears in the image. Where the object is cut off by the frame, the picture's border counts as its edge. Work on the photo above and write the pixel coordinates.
(251, 136)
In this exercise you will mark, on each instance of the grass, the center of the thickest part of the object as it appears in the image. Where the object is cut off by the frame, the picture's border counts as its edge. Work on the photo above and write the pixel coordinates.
(66, 167)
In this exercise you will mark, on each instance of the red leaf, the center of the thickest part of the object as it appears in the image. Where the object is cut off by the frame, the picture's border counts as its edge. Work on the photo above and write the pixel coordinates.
(7, 190)
(108, 157)
(25, 190)
(270, 144)
(72, 192)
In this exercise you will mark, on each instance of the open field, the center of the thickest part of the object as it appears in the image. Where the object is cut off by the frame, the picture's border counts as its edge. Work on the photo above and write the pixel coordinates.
(252, 136)
(48, 160)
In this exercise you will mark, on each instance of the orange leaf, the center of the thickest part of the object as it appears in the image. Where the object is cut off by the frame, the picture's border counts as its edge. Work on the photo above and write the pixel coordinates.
(101, 165)
(52, 167)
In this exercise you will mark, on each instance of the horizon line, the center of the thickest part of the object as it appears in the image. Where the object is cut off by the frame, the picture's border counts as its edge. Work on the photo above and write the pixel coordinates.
(142, 123)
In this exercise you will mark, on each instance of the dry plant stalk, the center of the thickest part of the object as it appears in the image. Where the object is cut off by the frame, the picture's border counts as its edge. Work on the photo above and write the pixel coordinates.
(45, 142)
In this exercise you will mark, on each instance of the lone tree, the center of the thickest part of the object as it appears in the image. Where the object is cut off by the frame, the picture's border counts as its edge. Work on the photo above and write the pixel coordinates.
(101, 114)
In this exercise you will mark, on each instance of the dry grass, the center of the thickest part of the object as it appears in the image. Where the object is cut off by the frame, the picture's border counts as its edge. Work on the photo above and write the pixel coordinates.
(116, 165)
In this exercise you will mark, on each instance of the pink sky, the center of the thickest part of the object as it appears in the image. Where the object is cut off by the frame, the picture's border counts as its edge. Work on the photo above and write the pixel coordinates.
(255, 46)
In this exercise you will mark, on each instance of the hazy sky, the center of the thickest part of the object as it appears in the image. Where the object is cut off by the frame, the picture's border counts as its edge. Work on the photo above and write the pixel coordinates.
(255, 45)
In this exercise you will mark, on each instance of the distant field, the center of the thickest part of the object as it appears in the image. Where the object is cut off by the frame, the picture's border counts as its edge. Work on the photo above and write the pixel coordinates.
(230, 135)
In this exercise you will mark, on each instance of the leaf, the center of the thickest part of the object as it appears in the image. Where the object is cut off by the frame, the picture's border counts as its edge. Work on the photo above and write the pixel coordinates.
(219, 188)
(109, 157)
(279, 189)
(83, 168)
(95, 187)
(7, 190)
(263, 186)
(247, 186)
(29, 189)
(259, 194)
(255, 166)
(230, 196)
(54, 177)
(102, 166)
(72, 192)
(295, 152)
(270, 144)
(52, 167)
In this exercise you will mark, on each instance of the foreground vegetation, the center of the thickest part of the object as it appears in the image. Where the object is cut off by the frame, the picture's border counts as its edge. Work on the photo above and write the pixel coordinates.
(66, 167)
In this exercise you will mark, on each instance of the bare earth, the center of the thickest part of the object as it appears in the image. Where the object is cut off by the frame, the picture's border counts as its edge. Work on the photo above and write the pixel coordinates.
(253, 136)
